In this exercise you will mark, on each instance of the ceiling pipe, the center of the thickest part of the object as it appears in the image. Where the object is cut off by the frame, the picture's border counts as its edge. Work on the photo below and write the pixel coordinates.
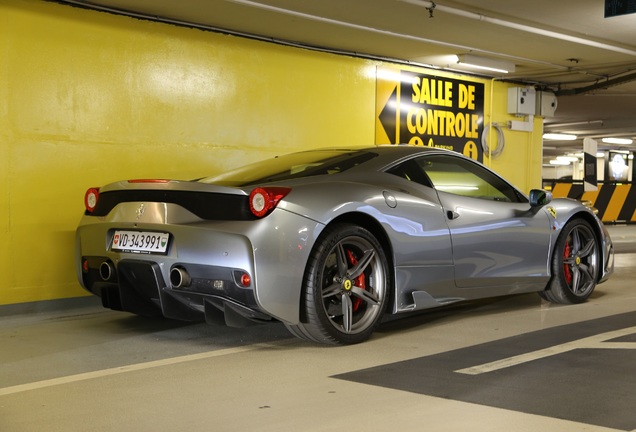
(570, 124)
(534, 30)
(599, 85)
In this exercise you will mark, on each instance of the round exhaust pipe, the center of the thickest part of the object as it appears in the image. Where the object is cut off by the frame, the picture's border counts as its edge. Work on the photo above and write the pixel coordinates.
(179, 277)
(106, 270)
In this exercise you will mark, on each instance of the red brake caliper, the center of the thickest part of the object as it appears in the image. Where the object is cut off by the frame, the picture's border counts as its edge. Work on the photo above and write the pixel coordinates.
(360, 281)
(566, 268)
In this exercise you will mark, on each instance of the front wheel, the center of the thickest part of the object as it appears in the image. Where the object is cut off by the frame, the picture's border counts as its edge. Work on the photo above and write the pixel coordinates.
(575, 264)
(345, 287)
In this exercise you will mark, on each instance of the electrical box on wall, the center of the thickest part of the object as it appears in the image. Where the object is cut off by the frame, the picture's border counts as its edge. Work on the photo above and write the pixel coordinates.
(546, 104)
(522, 101)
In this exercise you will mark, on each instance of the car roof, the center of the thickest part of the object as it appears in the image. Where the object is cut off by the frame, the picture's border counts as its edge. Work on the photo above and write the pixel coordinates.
(388, 151)
(398, 149)
(389, 154)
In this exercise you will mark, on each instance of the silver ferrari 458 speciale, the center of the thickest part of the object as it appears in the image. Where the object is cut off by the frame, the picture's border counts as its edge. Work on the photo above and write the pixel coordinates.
(328, 241)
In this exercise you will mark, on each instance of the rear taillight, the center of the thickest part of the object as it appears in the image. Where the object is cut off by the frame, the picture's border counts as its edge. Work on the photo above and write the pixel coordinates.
(265, 199)
(91, 198)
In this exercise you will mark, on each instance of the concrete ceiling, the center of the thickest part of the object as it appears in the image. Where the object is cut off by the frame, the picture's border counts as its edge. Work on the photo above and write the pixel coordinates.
(564, 46)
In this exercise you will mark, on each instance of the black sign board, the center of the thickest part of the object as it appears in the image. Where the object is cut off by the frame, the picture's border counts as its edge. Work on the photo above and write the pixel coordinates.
(619, 7)
(427, 110)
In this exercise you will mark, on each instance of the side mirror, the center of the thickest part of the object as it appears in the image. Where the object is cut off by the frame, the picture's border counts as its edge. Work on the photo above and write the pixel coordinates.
(539, 197)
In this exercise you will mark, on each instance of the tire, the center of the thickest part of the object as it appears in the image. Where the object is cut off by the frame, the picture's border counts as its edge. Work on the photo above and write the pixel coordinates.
(345, 287)
(575, 264)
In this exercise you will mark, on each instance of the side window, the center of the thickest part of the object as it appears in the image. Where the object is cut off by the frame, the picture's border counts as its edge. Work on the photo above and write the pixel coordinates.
(463, 177)
(412, 171)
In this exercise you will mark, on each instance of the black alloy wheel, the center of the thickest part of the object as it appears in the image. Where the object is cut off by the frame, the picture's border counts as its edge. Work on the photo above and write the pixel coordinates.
(346, 287)
(575, 264)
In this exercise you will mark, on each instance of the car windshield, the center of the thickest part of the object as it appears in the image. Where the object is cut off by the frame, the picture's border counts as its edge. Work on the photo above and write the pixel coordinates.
(292, 166)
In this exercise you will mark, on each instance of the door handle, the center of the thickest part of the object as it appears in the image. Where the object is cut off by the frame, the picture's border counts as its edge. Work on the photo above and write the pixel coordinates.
(452, 214)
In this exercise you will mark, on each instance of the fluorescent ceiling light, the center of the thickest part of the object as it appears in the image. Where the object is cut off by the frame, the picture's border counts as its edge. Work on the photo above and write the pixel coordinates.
(617, 140)
(567, 158)
(559, 162)
(483, 63)
(559, 137)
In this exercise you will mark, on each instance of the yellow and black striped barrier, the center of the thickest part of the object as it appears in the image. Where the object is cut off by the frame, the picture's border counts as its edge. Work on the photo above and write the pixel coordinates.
(616, 202)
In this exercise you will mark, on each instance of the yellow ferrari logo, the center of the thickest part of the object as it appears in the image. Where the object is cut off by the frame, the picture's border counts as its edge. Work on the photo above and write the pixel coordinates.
(552, 211)
(347, 285)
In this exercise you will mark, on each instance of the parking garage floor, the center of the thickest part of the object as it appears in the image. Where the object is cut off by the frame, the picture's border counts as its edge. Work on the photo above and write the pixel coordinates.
(514, 363)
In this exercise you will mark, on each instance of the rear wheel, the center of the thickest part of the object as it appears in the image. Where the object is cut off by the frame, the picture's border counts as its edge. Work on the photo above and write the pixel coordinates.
(575, 264)
(345, 287)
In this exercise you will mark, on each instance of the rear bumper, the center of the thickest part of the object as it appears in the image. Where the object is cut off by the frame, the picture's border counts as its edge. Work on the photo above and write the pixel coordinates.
(138, 286)
(272, 251)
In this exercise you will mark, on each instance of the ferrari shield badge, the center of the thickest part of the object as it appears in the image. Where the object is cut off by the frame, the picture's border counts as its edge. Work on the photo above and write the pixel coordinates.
(140, 211)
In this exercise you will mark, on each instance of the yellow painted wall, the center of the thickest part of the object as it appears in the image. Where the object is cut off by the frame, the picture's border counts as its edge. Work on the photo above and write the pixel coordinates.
(521, 160)
(87, 98)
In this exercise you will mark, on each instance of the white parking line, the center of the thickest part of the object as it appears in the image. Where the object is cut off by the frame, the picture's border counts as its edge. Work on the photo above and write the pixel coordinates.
(132, 368)
(597, 342)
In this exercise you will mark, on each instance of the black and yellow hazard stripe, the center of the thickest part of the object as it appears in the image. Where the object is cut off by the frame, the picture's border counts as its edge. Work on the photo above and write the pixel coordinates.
(616, 202)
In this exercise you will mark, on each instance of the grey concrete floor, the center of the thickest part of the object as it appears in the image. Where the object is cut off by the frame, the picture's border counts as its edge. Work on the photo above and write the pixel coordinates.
(73, 366)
